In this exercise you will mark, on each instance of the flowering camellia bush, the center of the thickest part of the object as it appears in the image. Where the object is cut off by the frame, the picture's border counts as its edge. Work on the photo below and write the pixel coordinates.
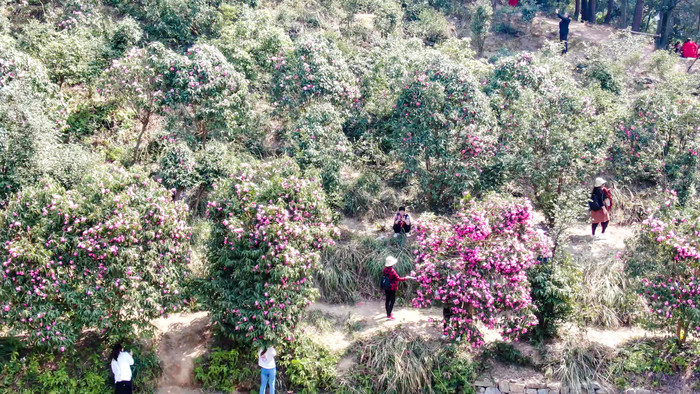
(665, 258)
(441, 125)
(206, 94)
(314, 68)
(270, 226)
(551, 133)
(136, 80)
(658, 142)
(476, 265)
(109, 255)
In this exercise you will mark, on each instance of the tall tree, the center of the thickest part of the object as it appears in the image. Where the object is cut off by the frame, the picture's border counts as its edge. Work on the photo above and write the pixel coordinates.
(638, 13)
(624, 7)
(577, 12)
(665, 25)
(591, 11)
(584, 10)
(608, 16)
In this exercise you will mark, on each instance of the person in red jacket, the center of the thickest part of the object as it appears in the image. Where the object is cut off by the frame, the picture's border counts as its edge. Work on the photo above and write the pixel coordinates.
(690, 49)
(394, 280)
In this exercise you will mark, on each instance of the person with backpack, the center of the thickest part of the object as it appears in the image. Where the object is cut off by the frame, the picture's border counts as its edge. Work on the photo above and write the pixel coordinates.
(121, 362)
(268, 369)
(564, 30)
(390, 284)
(600, 205)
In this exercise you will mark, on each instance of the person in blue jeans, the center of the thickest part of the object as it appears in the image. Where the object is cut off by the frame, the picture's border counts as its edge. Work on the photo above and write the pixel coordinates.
(268, 369)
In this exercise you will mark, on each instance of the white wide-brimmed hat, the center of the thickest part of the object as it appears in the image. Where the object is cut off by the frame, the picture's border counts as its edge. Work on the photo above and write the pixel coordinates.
(390, 261)
(599, 182)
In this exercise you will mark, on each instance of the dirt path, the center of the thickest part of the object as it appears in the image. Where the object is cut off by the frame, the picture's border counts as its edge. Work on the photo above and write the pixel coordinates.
(182, 338)
(601, 248)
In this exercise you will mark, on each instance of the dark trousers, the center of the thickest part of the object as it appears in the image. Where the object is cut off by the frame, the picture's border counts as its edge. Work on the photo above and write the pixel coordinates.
(565, 38)
(398, 228)
(446, 315)
(390, 300)
(595, 226)
(123, 387)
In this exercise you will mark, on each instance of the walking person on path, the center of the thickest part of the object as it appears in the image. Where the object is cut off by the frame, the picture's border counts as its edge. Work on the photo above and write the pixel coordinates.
(600, 205)
(564, 30)
(390, 284)
(121, 363)
(268, 369)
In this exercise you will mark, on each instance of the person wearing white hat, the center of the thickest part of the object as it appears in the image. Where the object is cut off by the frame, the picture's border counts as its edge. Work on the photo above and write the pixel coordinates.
(600, 205)
(390, 284)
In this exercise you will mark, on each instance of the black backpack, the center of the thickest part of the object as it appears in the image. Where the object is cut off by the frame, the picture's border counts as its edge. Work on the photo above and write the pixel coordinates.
(385, 284)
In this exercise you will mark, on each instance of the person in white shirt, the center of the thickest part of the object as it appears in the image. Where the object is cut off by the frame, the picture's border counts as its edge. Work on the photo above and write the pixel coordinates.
(121, 367)
(268, 369)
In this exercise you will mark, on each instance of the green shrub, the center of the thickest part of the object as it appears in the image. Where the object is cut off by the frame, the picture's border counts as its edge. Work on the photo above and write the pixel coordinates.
(308, 367)
(249, 41)
(454, 372)
(431, 25)
(83, 370)
(507, 354)
(553, 284)
(480, 14)
(226, 370)
(125, 35)
(72, 56)
(646, 362)
(91, 117)
(178, 22)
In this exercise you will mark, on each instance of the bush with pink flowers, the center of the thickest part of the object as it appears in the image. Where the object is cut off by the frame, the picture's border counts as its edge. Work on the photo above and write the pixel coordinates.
(315, 68)
(476, 264)
(441, 129)
(665, 259)
(109, 255)
(269, 227)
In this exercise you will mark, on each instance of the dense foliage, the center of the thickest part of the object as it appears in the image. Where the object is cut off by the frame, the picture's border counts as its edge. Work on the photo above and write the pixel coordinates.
(476, 265)
(110, 254)
(270, 226)
(664, 258)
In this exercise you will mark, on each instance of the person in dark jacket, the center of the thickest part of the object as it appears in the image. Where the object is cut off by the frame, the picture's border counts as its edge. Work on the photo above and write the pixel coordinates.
(600, 205)
(564, 30)
(402, 222)
(394, 280)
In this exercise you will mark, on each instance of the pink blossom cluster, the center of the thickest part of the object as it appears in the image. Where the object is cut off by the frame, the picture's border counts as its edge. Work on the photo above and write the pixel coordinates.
(668, 297)
(476, 264)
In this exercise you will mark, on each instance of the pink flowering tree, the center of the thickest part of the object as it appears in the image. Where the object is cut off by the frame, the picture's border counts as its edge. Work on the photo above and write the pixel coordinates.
(315, 68)
(270, 226)
(109, 255)
(551, 130)
(476, 264)
(658, 141)
(665, 259)
(206, 96)
(441, 130)
(137, 81)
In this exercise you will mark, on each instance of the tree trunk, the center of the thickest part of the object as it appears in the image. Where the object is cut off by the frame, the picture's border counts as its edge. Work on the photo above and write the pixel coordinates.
(144, 126)
(591, 11)
(623, 14)
(577, 12)
(608, 16)
(665, 24)
(638, 14)
(584, 10)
